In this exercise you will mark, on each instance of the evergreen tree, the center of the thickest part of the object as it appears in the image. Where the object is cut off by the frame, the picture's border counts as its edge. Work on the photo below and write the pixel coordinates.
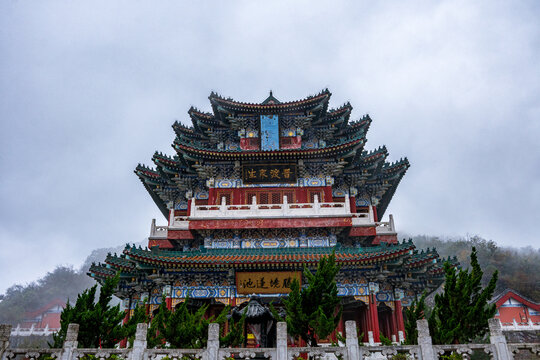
(462, 311)
(186, 329)
(313, 311)
(155, 335)
(414, 312)
(99, 323)
(130, 327)
(235, 336)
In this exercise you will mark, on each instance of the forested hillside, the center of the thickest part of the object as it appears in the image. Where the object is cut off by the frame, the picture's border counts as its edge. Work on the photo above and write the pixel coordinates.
(518, 269)
(62, 283)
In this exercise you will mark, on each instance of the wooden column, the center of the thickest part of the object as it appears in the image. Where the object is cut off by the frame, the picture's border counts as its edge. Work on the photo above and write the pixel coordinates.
(398, 313)
(365, 322)
(352, 201)
(374, 318)
(375, 213)
(211, 196)
(328, 197)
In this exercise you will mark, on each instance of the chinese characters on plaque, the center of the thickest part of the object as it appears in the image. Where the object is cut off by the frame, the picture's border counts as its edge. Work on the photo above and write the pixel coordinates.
(269, 174)
(266, 282)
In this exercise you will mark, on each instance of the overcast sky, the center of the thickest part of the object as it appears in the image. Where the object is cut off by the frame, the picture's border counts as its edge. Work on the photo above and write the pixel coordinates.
(90, 89)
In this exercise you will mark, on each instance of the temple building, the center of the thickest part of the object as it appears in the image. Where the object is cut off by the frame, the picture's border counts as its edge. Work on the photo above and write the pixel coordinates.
(256, 192)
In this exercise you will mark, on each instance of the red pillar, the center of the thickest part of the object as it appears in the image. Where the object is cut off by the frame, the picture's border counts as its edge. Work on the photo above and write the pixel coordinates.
(365, 323)
(339, 329)
(399, 318)
(393, 325)
(237, 198)
(328, 197)
(211, 196)
(374, 318)
(352, 201)
(375, 213)
(369, 318)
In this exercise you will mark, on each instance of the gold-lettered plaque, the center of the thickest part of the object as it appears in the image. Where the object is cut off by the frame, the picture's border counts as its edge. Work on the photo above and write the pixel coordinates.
(276, 282)
(269, 174)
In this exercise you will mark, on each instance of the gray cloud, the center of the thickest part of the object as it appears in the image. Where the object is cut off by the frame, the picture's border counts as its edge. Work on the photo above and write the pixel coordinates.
(88, 90)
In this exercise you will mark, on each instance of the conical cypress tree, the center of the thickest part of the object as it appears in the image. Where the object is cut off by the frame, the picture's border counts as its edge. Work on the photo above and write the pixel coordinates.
(462, 311)
(314, 312)
(413, 313)
(99, 323)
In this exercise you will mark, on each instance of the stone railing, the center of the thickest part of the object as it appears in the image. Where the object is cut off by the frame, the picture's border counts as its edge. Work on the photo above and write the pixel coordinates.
(158, 232)
(285, 210)
(32, 331)
(497, 349)
(364, 218)
(520, 326)
(386, 227)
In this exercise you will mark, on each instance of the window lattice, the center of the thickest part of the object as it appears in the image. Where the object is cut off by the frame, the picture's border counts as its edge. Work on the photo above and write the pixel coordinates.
(263, 198)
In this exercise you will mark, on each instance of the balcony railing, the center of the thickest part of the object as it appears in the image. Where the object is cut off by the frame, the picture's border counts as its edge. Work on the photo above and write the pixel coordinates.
(157, 232)
(386, 227)
(285, 210)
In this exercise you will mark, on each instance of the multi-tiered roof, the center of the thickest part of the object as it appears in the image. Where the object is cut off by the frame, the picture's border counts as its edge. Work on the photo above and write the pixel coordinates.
(217, 137)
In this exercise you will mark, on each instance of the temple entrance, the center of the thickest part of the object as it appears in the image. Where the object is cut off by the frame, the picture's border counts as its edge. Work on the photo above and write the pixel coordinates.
(259, 326)
(357, 311)
(386, 321)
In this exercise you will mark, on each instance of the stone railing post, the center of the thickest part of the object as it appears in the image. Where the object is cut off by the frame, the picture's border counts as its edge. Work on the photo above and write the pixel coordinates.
(371, 216)
(424, 340)
(153, 227)
(192, 208)
(212, 347)
(316, 205)
(139, 345)
(391, 223)
(281, 341)
(351, 340)
(371, 339)
(70, 343)
(497, 338)
(223, 207)
(285, 206)
(5, 333)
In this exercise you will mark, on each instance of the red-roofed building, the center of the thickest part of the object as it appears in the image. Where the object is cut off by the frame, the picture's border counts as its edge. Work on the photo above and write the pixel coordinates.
(516, 312)
(42, 321)
(46, 316)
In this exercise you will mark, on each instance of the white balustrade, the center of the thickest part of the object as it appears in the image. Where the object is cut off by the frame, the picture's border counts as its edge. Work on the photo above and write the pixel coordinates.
(32, 331)
(520, 326)
(497, 348)
(158, 232)
(254, 210)
(284, 210)
(386, 227)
